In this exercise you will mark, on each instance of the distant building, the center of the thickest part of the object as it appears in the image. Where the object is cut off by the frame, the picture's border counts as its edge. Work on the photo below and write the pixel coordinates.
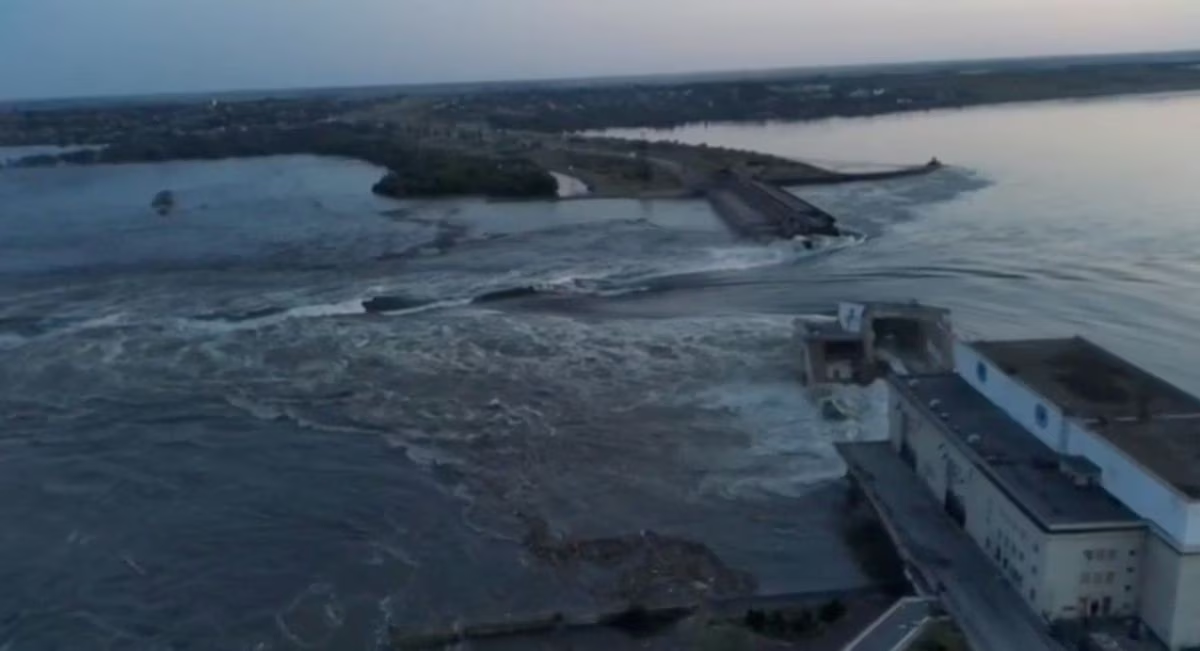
(1077, 472)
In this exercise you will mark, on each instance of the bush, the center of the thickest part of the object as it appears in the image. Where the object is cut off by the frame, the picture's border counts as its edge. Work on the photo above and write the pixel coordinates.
(776, 625)
(756, 620)
(802, 622)
(832, 611)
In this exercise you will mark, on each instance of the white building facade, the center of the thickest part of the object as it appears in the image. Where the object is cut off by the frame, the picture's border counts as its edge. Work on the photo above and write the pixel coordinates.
(1071, 469)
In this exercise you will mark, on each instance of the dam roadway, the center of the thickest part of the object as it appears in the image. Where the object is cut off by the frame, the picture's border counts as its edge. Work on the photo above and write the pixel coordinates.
(758, 210)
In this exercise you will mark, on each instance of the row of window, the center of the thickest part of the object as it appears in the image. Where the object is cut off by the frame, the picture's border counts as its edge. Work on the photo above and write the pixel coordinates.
(1103, 554)
(1098, 577)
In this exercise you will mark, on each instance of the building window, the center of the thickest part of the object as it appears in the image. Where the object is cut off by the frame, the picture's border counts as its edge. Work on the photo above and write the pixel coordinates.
(1128, 588)
(1108, 578)
(981, 371)
(1087, 578)
(1087, 554)
(1133, 552)
(1032, 594)
(1042, 416)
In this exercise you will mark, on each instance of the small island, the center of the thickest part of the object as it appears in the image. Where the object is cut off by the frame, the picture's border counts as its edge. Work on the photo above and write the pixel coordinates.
(413, 171)
(456, 161)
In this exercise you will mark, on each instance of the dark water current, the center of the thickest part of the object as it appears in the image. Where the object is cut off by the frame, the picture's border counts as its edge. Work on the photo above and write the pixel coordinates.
(206, 442)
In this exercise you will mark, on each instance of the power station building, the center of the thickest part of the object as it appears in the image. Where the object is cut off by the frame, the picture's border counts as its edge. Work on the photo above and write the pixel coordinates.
(1075, 471)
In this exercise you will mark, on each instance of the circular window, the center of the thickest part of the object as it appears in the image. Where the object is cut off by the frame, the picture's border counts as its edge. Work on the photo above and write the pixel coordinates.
(1042, 416)
(981, 371)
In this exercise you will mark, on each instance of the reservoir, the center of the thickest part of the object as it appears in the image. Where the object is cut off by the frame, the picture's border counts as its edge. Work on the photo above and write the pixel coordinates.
(207, 442)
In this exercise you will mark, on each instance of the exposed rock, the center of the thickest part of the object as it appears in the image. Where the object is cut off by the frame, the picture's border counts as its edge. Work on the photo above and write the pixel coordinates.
(390, 304)
(647, 566)
(164, 202)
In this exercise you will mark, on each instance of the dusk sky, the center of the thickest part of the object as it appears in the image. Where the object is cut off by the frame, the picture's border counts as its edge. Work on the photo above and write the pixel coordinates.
(56, 48)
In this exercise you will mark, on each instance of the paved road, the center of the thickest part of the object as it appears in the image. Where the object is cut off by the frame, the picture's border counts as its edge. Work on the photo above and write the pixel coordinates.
(990, 612)
(890, 632)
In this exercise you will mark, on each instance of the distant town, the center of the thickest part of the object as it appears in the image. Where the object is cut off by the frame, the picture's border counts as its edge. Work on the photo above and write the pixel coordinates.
(503, 140)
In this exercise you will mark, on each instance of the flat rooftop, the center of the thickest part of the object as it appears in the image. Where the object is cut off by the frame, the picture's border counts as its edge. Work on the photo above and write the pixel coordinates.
(1023, 467)
(1088, 381)
(1168, 447)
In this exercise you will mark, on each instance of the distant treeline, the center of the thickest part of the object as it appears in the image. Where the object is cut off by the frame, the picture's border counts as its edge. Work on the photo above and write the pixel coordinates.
(806, 97)
(413, 171)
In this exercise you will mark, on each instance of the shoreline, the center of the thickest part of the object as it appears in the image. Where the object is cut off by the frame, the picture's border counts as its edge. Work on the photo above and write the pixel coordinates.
(1066, 100)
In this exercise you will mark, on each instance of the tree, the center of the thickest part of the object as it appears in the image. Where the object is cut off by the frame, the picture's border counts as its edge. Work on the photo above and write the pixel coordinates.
(802, 622)
(756, 620)
(832, 611)
(776, 624)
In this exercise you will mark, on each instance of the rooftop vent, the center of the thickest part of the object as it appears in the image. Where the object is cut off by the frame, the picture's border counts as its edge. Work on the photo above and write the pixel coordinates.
(1081, 471)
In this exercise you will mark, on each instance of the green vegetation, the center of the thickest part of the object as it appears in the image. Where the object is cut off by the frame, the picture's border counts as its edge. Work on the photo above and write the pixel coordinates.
(413, 170)
(832, 611)
(808, 96)
(943, 635)
(794, 624)
(440, 176)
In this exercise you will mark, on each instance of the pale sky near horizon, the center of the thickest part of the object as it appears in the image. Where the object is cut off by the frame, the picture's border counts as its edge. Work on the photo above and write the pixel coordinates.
(61, 48)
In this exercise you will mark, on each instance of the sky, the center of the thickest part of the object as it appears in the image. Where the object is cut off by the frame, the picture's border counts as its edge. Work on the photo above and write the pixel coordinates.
(68, 48)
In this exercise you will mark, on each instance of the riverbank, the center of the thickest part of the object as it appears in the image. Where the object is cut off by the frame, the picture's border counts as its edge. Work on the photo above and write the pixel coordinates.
(806, 95)
(811, 621)
(461, 161)
(412, 170)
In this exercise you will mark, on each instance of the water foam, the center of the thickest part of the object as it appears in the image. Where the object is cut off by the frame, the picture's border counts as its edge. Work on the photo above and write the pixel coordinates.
(11, 341)
(790, 443)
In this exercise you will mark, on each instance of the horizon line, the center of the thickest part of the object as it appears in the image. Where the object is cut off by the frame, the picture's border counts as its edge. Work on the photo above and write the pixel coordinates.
(613, 78)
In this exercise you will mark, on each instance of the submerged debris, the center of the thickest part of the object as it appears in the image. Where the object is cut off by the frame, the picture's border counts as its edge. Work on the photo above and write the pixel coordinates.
(648, 566)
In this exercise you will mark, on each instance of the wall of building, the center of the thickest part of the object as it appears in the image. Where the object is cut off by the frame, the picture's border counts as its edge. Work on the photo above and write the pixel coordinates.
(1094, 574)
(839, 370)
(1006, 535)
(1039, 417)
(1014, 543)
(812, 362)
(1137, 488)
(1160, 588)
(1052, 572)
(1171, 594)
(937, 462)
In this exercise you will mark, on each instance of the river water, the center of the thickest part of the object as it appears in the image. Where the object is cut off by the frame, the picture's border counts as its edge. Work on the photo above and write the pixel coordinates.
(206, 443)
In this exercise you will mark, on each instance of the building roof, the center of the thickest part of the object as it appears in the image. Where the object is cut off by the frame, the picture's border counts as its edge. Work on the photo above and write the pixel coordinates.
(1150, 420)
(1167, 447)
(1023, 467)
(1087, 381)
